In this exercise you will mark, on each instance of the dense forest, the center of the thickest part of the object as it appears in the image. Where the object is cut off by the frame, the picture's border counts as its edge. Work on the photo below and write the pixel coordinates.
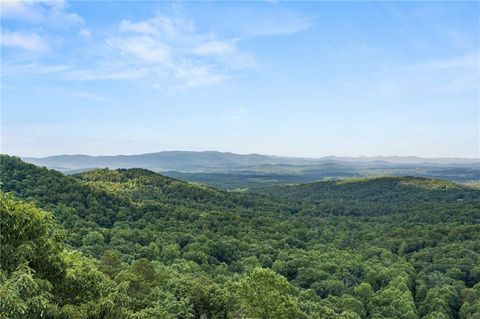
(256, 180)
(232, 171)
(131, 243)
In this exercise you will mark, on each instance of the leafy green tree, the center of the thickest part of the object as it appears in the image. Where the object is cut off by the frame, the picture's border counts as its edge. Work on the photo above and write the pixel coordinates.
(24, 296)
(139, 244)
(265, 295)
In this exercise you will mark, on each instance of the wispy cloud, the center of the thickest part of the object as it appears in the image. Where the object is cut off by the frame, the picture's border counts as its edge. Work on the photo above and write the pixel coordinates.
(89, 96)
(178, 55)
(85, 32)
(192, 57)
(33, 19)
(173, 47)
(105, 73)
(170, 51)
(469, 62)
(53, 12)
(450, 75)
(197, 76)
(143, 48)
(20, 68)
(215, 48)
(158, 25)
(285, 25)
(26, 41)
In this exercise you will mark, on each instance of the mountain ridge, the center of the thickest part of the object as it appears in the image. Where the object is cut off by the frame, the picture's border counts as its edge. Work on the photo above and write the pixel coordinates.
(124, 240)
(192, 161)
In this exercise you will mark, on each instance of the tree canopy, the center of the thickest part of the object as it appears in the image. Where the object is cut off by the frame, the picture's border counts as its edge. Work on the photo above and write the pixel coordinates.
(131, 243)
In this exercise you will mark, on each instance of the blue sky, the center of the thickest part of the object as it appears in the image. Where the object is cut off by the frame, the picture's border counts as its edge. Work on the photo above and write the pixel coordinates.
(285, 78)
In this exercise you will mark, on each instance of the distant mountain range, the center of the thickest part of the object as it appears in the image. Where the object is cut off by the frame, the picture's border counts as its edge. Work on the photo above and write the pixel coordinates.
(212, 161)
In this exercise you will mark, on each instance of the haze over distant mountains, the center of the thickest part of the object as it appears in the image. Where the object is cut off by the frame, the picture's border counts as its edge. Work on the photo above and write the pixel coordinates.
(212, 161)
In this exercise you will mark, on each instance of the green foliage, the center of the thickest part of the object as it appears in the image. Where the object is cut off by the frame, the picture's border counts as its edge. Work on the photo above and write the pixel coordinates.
(22, 295)
(135, 244)
(28, 235)
(38, 278)
(264, 294)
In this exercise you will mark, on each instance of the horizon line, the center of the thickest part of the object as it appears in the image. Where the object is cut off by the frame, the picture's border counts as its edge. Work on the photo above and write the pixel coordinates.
(251, 154)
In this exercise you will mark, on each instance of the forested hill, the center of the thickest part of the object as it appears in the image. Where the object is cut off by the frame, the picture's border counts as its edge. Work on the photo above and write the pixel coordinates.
(381, 195)
(131, 243)
(233, 171)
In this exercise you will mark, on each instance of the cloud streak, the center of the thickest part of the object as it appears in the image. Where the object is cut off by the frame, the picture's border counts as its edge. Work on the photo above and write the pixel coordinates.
(33, 19)
(173, 48)
(447, 76)
(170, 51)
(53, 13)
(26, 41)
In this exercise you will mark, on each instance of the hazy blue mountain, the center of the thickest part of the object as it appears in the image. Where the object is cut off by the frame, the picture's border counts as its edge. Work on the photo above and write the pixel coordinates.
(211, 161)
(169, 160)
(231, 171)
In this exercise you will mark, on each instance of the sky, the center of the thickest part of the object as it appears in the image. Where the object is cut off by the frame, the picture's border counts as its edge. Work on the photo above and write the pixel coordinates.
(286, 78)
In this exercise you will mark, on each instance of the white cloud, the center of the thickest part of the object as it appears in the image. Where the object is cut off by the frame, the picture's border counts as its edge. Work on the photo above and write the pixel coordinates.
(159, 25)
(142, 47)
(89, 96)
(465, 61)
(173, 46)
(166, 50)
(446, 76)
(17, 9)
(106, 73)
(265, 24)
(172, 49)
(51, 12)
(26, 41)
(190, 76)
(215, 48)
(29, 69)
(37, 19)
(84, 33)
(277, 27)
(72, 73)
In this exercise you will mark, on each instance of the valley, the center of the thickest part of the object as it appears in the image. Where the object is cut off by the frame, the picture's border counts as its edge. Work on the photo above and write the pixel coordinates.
(132, 243)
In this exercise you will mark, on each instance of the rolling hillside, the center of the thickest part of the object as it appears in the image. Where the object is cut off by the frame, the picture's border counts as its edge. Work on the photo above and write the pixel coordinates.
(235, 171)
(142, 245)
